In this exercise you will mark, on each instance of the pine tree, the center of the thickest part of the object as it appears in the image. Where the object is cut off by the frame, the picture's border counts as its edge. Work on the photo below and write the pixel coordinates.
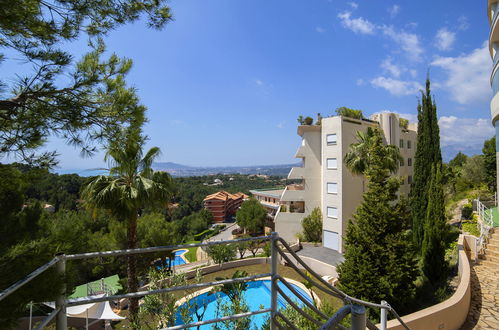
(379, 261)
(435, 231)
(427, 154)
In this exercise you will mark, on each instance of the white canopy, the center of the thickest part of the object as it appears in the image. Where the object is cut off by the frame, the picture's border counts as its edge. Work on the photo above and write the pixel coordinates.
(99, 311)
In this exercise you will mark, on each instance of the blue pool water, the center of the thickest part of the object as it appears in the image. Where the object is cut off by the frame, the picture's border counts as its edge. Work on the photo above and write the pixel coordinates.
(257, 294)
(178, 259)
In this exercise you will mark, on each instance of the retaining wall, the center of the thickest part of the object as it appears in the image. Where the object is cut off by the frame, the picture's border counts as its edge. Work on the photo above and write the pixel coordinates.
(451, 313)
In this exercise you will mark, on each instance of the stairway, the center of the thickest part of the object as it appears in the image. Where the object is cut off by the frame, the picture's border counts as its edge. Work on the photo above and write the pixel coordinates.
(491, 251)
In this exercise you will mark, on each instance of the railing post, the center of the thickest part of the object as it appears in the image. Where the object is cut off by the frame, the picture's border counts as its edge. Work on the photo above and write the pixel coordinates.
(61, 322)
(359, 320)
(384, 313)
(274, 265)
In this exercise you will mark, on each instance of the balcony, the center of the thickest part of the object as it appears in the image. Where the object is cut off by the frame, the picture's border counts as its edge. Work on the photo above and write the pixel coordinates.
(293, 193)
(300, 153)
(296, 173)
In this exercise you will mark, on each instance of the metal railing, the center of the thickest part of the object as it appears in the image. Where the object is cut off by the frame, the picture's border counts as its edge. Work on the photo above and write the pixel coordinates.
(485, 223)
(356, 308)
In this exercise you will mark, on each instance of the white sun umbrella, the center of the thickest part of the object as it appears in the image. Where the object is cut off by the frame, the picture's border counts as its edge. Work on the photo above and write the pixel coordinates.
(99, 311)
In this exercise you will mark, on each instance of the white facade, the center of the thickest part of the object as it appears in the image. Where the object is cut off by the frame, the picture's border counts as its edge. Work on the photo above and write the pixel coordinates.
(327, 183)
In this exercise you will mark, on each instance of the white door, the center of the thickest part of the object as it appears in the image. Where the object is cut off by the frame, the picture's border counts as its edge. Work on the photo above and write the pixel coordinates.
(331, 240)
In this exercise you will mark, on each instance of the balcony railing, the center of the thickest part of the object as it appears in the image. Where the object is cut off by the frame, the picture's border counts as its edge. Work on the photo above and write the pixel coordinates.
(279, 250)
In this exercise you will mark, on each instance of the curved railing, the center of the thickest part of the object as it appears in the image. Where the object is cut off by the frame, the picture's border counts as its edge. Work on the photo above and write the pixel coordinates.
(354, 307)
(485, 224)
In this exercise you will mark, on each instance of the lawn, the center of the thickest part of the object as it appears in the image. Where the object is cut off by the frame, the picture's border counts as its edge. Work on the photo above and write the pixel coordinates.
(495, 216)
(191, 255)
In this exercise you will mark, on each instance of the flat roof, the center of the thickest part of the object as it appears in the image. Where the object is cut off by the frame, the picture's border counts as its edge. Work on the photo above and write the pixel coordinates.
(275, 193)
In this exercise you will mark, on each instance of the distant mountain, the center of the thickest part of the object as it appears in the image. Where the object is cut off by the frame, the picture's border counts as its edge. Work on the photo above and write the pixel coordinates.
(169, 165)
(184, 170)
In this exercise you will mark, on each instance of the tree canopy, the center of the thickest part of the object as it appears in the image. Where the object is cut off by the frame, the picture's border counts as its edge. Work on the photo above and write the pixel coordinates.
(359, 157)
(380, 263)
(83, 101)
(350, 113)
(428, 154)
(251, 215)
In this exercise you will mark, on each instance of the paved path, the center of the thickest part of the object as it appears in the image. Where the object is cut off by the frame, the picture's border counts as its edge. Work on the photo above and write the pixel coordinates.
(225, 234)
(484, 311)
(320, 253)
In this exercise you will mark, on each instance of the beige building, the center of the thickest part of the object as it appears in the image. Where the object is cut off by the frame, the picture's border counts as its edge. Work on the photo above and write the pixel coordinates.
(269, 199)
(493, 14)
(326, 182)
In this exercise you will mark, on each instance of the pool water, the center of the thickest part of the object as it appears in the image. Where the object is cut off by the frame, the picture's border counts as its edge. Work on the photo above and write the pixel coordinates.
(177, 261)
(257, 294)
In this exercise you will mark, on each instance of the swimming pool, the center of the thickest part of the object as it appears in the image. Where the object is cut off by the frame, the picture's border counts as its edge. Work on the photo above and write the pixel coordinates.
(179, 260)
(256, 295)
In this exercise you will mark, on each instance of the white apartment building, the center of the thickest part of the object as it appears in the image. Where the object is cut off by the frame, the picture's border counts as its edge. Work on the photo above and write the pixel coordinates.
(327, 183)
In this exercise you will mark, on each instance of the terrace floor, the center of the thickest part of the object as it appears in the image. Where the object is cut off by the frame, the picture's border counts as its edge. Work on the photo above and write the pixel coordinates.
(321, 253)
(484, 309)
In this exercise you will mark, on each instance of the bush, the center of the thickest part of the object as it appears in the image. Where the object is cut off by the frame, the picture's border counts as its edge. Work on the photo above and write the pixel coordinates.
(308, 121)
(312, 226)
(467, 211)
(471, 228)
(222, 253)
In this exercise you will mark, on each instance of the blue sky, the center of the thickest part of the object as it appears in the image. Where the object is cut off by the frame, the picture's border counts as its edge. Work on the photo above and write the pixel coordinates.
(225, 81)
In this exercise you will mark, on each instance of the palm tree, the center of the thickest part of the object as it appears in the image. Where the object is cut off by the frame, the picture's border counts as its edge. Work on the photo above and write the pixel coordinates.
(130, 186)
(357, 160)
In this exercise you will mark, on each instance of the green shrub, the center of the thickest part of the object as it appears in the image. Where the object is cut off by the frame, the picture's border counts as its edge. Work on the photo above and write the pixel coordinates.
(471, 228)
(467, 211)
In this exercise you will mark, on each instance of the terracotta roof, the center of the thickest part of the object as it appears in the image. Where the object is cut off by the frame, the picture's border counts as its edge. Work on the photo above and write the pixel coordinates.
(223, 195)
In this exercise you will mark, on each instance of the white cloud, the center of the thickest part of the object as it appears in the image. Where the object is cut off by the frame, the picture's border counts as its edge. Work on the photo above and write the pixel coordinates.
(411, 25)
(354, 5)
(397, 87)
(392, 68)
(444, 39)
(463, 23)
(467, 75)
(281, 124)
(465, 132)
(409, 42)
(360, 82)
(258, 82)
(357, 25)
(394, 10)
(319, 29)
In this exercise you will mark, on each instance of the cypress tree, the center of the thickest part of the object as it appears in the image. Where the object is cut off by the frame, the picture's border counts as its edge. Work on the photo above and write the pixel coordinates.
(427, 154)
(435, 231)
(379, 261)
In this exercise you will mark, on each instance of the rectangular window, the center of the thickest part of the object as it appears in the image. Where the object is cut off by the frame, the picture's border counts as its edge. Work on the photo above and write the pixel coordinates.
(331, 139)
(303, 142)
(332, 188)
(409, 179)
(401, 145)
(332, 164)
(332, 212)
(401, 161)
(408, 144)
(409, 161)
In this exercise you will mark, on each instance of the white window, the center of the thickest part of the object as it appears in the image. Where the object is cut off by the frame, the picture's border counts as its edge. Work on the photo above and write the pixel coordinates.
(332, 212)
(331, 139)
(332, 164)
(332, 188)
(303, 142)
